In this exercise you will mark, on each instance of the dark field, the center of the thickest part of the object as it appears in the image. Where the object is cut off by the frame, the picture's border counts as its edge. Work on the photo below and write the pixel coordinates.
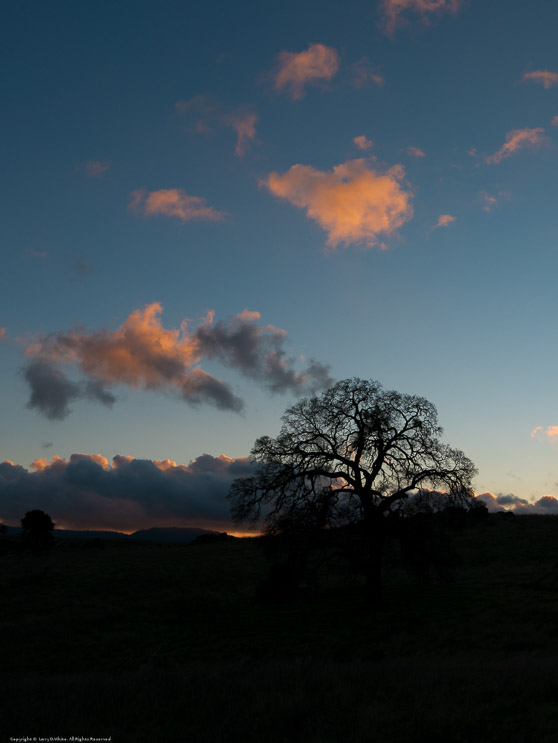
(147, 642)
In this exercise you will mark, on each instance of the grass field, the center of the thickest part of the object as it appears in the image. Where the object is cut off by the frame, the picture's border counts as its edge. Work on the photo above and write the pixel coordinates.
(149, 642)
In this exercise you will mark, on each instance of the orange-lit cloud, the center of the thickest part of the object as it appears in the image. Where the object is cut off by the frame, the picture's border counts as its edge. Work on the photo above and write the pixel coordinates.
(363, 73)
(518, 139)
(545, 77)
(2, 334)
(173, 202)
(363, 143)
(555, 121)
(295, 70)
(490, 201)
(444, 220)
(207, 113)
(353, 202)
(550, 433)
(415, 151)
(392, 10)
(143, 354)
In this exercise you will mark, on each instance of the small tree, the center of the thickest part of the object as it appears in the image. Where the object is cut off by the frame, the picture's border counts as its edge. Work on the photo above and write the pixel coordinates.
(37, 529)
(349, 457)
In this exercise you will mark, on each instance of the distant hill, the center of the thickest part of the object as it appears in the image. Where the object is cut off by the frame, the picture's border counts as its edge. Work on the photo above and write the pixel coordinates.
(156, 534)
(170, 534)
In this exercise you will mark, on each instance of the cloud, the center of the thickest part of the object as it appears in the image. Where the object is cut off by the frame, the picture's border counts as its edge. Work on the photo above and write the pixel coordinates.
(244, 124)
(82, 268)
(41, 254)
(444, 220)
(555, 121)
(52, 391)
(518, 139)
(363, 143)
(363, 73)
(490, 201)
(550, 433)
(393, 9)
(2, 333)
(142, 354)
(353, 202)
(295, 70)
(173, 202)
(88, 492)
(208, 113)
(546, 505)
(93, 168)
(415, 151)
(547, 78)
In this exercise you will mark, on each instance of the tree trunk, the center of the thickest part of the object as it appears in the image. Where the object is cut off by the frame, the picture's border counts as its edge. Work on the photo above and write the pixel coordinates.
(373, 535)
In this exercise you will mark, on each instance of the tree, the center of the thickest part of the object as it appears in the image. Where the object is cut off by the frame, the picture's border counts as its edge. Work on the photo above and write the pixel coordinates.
(350, 457)
(37, 529)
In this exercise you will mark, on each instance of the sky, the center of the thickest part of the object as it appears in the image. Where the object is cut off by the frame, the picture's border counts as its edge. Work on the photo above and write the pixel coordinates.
(211, 210)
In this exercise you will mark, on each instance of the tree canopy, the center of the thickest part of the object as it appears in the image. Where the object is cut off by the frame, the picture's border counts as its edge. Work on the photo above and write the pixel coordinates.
(350, 455)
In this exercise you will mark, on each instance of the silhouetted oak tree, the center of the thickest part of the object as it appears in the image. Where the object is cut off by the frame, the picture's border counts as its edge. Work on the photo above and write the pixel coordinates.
(349, 457)
(37, 529)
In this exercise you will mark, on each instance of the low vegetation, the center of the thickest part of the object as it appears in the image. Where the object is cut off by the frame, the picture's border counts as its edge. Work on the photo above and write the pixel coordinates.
(149, 642)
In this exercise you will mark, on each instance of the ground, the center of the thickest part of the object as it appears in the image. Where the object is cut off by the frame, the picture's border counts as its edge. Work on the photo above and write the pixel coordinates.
(155, 642)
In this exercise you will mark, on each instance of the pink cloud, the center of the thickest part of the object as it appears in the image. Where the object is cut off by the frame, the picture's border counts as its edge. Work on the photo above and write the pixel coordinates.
(444, 220)
(392, 10)
(363, 143)
(295, 70)
(518, 139)
(555, 121)
(353, 202)
(490, 201)
(545, 77)
(2, 334)
(173, 202)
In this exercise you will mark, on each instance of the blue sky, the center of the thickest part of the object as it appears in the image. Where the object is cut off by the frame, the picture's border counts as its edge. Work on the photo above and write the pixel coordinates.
(123, 123)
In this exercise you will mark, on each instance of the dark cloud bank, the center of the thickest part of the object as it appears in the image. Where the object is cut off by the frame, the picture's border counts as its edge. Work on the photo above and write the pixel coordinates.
(86, 492)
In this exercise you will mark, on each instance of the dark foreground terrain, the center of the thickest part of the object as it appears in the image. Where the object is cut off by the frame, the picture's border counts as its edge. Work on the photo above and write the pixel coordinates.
(149, 642)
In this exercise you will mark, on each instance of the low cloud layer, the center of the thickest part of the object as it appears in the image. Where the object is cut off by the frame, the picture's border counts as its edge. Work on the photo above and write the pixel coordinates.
(353, 203)
(207, 114)
(394, 12)
(516, 140)
(547, 505)
(88, 492)
(296, 70)
(545, 77)
(173, 202)
(143, 354)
